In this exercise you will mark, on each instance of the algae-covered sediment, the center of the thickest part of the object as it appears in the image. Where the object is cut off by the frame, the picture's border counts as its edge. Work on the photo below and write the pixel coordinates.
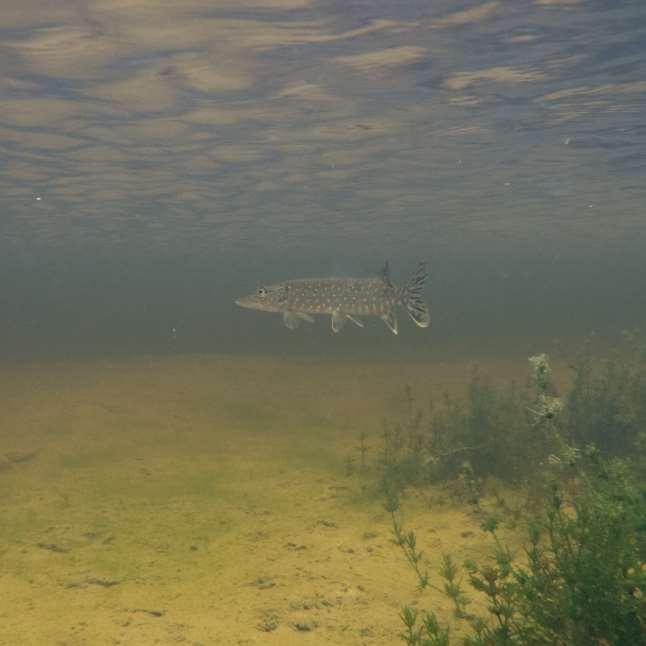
(204, 500)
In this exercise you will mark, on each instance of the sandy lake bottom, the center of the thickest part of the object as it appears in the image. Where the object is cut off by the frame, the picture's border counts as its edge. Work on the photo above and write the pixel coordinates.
(204, 500)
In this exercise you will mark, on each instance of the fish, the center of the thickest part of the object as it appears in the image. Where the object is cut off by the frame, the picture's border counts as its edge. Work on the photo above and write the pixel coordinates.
(344, 299)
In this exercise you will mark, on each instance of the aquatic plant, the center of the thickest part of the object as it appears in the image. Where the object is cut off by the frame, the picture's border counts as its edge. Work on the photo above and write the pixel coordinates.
(581, 580)
(501, 432)
(408, 543)
(581, 576)
(607, 403)
(360, 467)
(403, 458)
(511, 432)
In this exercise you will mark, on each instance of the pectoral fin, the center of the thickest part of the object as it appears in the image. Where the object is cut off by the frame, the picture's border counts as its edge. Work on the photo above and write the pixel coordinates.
(355, 321)
(338, 321)
(291, 319)
(391, 321)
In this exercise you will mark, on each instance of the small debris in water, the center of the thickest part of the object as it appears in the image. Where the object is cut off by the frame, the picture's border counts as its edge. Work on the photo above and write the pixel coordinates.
(304, 626)
(53, 547)
(103, 583)
(310, 603)
(270, 620)
(263, 583)
(17, 457)
(146, 611)
(296, 546)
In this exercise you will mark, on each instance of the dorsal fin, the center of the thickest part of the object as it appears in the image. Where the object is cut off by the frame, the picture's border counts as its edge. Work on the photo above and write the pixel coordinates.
(385, 274)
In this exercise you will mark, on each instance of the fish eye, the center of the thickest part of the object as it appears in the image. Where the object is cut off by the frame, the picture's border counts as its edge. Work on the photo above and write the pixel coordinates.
(262, 291)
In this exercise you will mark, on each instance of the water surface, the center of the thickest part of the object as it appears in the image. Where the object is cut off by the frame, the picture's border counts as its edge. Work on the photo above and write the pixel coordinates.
(159, 162)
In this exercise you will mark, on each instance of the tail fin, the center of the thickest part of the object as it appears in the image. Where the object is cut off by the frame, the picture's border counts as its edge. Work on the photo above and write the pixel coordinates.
(412, 297)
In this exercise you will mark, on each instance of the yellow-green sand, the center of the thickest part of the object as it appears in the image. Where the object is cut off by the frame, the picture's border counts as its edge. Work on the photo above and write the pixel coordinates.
(203, 500)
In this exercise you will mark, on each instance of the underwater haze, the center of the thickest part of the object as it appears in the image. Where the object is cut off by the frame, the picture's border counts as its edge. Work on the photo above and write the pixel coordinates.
(175, 468)
(159, 162)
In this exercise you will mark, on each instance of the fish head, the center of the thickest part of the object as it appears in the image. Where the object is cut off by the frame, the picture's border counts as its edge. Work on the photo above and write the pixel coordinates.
(268, 298)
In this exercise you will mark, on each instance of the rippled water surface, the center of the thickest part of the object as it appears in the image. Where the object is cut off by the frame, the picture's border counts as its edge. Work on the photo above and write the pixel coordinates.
(159, 160)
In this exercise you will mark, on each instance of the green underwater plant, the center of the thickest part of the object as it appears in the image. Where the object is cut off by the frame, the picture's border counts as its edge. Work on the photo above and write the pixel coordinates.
(510, 432)
(607, 403)
(501, 432)
(401, 461)
(581, 577)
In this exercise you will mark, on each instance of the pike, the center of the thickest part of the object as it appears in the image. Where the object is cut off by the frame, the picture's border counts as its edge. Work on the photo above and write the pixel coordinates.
(345, 299)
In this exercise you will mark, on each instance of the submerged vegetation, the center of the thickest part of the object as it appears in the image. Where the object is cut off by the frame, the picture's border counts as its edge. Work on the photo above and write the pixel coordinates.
(580, 580)
(512, 432)
(580, 459)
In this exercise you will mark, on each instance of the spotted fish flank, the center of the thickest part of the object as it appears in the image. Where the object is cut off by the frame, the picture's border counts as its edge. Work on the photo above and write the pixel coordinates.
(345, 299)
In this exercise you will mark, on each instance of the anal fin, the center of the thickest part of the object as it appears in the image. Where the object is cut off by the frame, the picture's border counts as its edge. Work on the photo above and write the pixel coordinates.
(391, 321)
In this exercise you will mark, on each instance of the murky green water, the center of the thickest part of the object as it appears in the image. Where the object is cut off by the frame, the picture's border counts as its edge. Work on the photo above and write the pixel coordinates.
(171, 466)
(157, 163)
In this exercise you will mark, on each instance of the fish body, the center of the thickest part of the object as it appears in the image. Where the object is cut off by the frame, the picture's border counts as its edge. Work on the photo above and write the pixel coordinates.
(344, 299)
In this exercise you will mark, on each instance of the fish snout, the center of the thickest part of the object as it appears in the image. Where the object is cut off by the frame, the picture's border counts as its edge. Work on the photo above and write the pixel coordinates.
(244, 301)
